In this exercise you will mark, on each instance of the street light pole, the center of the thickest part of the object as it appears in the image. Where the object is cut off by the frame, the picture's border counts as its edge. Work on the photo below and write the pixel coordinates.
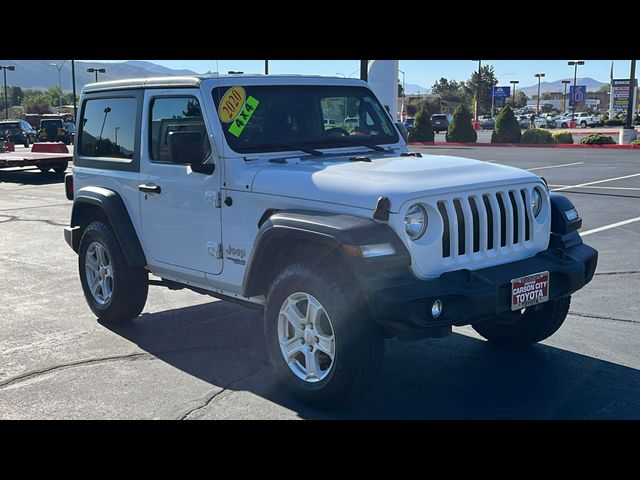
(73, 81)
(266, 67)
(538, 76)
(59, 79)
(575, 80)
(479, 86)
(96, 71)
(11, 68)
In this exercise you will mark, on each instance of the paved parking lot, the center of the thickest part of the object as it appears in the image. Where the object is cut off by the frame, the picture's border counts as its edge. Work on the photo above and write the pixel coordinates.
(190, 357)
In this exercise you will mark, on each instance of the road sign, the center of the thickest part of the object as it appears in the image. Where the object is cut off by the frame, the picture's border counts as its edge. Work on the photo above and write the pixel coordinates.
(620, 94)
(577, 95)
(501, 92)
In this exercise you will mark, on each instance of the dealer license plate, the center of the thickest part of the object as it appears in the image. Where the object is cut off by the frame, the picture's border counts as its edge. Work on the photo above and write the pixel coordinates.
(529, 290)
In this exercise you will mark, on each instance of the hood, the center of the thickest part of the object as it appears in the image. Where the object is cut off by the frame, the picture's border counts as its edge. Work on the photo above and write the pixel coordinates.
(360, 184)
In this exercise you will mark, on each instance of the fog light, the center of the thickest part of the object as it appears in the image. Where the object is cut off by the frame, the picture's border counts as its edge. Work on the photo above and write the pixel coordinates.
(436, 308)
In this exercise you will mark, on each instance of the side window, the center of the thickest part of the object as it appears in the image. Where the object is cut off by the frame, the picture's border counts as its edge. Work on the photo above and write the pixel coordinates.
(175, 114)
(108, 128)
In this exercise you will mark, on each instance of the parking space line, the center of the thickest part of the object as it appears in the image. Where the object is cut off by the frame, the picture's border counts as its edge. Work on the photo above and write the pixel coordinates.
(601, 188)
(555, 166)
(607, 227)
(597, 181)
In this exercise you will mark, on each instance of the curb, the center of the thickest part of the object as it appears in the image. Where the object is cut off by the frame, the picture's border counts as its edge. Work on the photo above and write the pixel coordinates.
(520, 145)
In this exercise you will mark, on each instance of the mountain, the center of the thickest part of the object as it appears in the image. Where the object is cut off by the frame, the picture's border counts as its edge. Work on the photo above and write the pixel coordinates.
(558, 86)
(41, 75)
(158, 69)
(413, 89)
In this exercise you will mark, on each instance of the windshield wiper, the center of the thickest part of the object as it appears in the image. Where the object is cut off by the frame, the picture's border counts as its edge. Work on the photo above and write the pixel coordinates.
(349, 142)
(310, 151)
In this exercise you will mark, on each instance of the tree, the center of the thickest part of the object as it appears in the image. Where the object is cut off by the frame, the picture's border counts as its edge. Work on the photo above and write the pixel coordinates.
(449, 90)
(488, 80)
(605, 88)
(545, 96)
(507, 129)
(39, 104)
(16, 95)
(521, 100)
(422, 130)
(460, 129)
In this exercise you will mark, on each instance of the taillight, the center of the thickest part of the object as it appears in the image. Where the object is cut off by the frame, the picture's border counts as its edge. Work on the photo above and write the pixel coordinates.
(68, 186)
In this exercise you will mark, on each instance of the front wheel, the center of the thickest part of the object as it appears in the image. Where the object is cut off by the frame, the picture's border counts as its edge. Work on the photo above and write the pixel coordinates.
(61, 168)
(114, 290)
(530, 326)
(26, 142)
(583, 124)
(322, 345)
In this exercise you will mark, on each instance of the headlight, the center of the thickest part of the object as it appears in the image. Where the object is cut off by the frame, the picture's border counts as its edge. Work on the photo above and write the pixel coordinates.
(415, 222)
(536, 202)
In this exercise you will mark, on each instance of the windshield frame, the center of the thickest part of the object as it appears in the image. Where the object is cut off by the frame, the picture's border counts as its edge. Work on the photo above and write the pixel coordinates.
(217, 92)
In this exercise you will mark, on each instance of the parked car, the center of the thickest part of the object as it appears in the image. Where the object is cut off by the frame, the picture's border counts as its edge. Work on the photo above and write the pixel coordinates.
(551, 122)
(585, 120)
(352, 121)
(540, 122)
(488, 124)
(524, 121)
(52, 130)
(330, 123)
(408, 123)
(563, 120)
(440, 122)
(338, 242)
(18, 131)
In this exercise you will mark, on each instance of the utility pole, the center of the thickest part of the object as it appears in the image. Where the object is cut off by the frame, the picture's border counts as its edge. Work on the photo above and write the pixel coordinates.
(538, 76)
(73, 81)
(266, 67)
(364, 70)
(632, 94)
(513, 98)
(479, 86)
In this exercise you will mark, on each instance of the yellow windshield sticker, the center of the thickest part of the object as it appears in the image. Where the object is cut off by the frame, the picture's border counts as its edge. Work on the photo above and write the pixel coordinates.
(243, 117)
(231, 104)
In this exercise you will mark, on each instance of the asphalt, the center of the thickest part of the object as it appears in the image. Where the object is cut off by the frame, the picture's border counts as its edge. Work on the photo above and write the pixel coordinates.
(188, 357)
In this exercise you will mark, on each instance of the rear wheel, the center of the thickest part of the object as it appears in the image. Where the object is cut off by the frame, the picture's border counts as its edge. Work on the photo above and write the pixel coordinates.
(61, 168)
(530, 326)
(322, 344)
(583, 124)
(114, 290)
(26, 142)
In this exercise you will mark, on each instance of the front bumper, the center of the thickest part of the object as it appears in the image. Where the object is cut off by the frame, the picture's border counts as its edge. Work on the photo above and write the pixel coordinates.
(472, 296)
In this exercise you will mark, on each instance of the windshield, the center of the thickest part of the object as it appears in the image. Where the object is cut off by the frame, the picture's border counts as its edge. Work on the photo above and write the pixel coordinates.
(285, 117)
(9, 126)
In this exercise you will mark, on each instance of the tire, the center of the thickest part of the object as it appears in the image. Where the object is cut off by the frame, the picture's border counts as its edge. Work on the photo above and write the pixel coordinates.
(583, 124)
(564, 125)
(61, 168)
(44, 169)
(532, 326)
(128, 285)
(26, 142)
(357, 343)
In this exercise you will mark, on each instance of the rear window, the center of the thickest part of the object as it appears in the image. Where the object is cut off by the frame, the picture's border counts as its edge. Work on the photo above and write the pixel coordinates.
(51, 123)
(8, 126)
(108, 128)
(439, 117)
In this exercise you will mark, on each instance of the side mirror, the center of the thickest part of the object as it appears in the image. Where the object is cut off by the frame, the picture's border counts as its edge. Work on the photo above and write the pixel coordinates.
(185, 148)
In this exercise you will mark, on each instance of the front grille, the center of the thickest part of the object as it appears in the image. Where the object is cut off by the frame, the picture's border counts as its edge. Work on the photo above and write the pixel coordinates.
(479, 224)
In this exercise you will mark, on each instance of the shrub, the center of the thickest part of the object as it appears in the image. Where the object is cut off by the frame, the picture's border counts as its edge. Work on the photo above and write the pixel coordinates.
(615, 122)
(597, 139)
(507, 129)
(536, 135)
(636, 120)
(636, 142)
(422, 130)
(460, 129)
(562, 137)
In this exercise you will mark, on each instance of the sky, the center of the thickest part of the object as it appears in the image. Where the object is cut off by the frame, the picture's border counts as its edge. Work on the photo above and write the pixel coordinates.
(418, 72)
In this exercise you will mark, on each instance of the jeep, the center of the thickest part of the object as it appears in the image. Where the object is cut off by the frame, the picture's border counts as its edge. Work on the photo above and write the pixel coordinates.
(236, 187)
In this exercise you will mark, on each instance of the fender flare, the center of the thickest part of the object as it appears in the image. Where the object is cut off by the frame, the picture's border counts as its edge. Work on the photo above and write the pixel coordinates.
(116, 213)
(332, 231)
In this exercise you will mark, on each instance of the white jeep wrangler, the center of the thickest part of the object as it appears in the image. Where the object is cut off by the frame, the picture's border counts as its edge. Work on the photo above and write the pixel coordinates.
(237, 187)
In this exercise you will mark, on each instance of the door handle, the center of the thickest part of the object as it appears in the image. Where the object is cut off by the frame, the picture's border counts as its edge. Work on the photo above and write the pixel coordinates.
(150, 188)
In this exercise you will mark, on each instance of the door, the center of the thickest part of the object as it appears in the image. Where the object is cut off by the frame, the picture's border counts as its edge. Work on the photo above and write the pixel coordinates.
(180, 209)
